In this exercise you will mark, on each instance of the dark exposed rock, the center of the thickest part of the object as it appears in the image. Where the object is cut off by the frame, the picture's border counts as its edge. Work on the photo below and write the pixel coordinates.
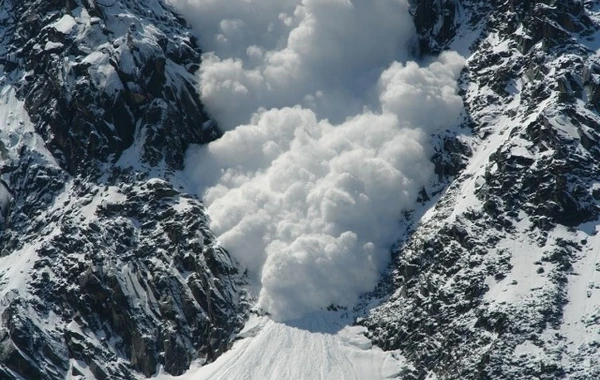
(436, 23)
(459, 306)
(118, 273)
(120, 278)
(84, 120)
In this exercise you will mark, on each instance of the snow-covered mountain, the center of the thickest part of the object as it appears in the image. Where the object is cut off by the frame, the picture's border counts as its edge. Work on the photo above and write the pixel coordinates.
(498, 278)
(108, 265)
(108, 269)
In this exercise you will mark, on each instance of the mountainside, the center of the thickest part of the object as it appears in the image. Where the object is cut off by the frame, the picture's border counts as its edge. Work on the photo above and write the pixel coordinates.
(498, 278)
(108, 266)
(108, 269)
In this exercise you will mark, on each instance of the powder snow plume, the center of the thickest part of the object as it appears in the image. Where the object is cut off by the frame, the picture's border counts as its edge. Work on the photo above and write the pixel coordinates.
(328, 128)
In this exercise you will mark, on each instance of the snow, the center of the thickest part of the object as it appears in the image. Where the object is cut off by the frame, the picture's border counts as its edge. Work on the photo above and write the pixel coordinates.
(87, 206)
(79, 366)
(15, 267)
(319, 346)
(13, 270)
(528, 348)
(523, 280)
(52, 45)
(65, 25)
(328, 143)
(16, 130)
(102, 72)
(475, 170)
(324, 344)
(583, 289)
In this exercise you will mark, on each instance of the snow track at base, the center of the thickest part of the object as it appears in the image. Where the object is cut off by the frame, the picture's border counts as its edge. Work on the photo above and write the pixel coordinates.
(320, 346)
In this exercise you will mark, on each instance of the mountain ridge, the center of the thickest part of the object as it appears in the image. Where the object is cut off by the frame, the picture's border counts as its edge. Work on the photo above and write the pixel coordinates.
(98, 106)
(108, 266)
(484, 286)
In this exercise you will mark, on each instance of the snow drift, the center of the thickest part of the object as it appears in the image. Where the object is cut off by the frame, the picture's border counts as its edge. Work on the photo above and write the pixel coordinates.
(327, 143)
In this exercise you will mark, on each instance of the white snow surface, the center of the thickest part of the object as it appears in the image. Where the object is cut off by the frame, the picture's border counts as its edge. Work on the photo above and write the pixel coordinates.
(16, 130)
(328, 140)
(65, 25)
(580, 317)
(53, 45)
(318, 346)
(5, 198)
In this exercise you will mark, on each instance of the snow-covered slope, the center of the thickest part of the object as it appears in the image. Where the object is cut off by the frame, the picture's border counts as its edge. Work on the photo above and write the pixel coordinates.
(498, 278)
(322, 345)
(490, 280)
(107, 267)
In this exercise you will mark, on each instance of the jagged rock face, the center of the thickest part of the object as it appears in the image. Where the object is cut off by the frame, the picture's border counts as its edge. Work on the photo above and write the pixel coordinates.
(435, 21)
(109, 271)
(97, 77)
(107, 267)
(130, 274)
(497, 278)
(128, 278)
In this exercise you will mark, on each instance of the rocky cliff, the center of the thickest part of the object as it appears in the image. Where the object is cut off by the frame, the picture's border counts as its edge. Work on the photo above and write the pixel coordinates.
(498, 276)
(107, 267)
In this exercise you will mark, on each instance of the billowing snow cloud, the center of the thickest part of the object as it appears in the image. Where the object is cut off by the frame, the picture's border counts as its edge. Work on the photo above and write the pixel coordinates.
(321, 54)
(327, 143)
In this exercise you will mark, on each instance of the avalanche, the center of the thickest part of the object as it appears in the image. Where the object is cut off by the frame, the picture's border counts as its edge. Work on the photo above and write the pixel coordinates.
(319, 346)
(327, 144)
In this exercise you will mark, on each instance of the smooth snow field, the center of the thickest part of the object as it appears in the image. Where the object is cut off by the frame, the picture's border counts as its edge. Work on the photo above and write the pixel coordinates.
(318, 346)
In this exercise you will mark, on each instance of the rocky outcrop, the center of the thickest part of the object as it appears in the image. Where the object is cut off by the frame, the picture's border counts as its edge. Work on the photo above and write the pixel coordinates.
(96, 79)
(129, 279)
(436, 22)
(496, 281)
(107, 267)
